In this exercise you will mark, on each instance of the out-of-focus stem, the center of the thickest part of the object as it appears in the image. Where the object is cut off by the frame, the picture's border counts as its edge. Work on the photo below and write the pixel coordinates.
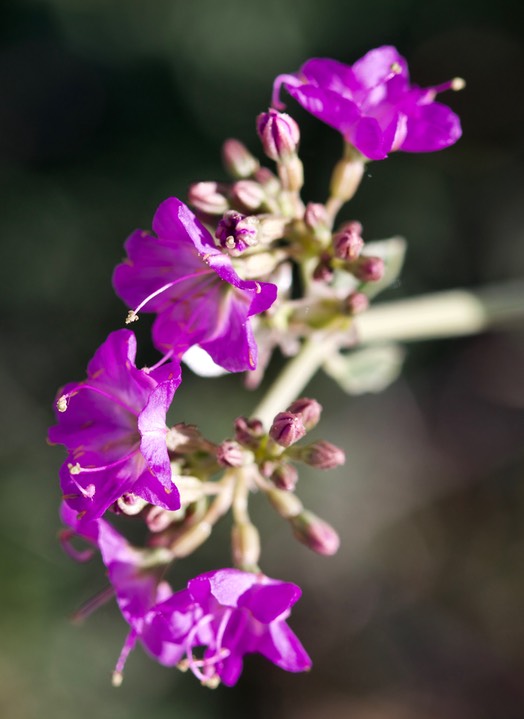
(443, 314)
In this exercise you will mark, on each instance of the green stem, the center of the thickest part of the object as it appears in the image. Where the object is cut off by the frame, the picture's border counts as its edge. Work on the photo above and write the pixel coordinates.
(443, 314)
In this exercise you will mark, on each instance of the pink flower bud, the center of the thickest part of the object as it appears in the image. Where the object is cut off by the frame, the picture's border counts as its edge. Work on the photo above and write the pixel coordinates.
(348, 243)
(230, 454)
(248, 194)
(323, 272)
(316, 216)
(321, 455)
(357, 302)
(248, 432)
(315, 533)
(208, 197)
(368, 269)
(309, 411)
(237, 232)
(268, 180)
(285, 476)
(279, 134)
(287, 428)
(237, 159)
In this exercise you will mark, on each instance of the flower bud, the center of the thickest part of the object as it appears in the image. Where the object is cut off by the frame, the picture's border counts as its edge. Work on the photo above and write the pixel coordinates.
(287, 428)
(245, 541)
(158, 519)
(357, 302)
(237, 232)
(279, 134)
(230, 454)
(208, 198)
(309, 411)
(346, 178)
(316, 219)
(287, 505)
(368, 269)
(315, 533)
(248, 432)
(285, 476)
(321, 455)
(130, 504)
(268, 180)
(237, 159)
(291, 173)
(323, 272)
(248, 194)
(348, 243)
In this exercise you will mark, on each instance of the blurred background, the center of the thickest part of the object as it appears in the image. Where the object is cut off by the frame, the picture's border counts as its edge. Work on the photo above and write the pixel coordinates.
(106, 108)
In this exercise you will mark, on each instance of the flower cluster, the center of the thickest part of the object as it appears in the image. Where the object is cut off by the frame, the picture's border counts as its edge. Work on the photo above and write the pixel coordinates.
(253, 268)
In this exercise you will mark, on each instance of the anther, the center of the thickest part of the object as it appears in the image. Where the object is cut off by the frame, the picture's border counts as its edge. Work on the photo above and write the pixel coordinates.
(131, 317)
(61, 403)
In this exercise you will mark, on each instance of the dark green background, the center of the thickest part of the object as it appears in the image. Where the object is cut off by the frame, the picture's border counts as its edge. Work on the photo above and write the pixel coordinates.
(106, 108)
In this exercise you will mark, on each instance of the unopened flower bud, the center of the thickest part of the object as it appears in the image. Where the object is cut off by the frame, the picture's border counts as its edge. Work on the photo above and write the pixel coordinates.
(236, 232)
(186, 439)
(287, 428)
(348, 243)
(130, 504)
(158, 519)
(291, 173)
(323, 272)
(315, 215)
(285, 476)
(287, 504)
(268, 180)
(208, 197)
(309, 411)
(279, 134)
(237, 159)
(230, 454)
(245, 541)
(357, 302)
(346, 178)
(248, 432)
(321, 455)
(248, 194)
(272, 227)
(368, 269)
(315, 533)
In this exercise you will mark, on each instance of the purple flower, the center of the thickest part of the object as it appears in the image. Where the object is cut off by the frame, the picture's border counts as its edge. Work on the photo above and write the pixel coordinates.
(113, 426)
(192, 287)
(227, 612)
(372, 103)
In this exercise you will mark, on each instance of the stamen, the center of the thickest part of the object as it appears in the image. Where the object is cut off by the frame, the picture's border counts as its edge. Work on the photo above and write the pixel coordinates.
(61, 403)
(64, 400)
(118, 674)
(164, 359)
(132, 315)
(456, 84)
(395, 68)
(77, 469)
(79, 555)
(86, 492)
(88, 607)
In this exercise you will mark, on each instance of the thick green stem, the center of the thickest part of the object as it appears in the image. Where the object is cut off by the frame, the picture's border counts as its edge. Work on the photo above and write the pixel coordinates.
(444, 314)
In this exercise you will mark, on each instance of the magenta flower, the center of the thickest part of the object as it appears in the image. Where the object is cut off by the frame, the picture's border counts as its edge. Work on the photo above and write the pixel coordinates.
(113, 425)
(227, 612)
(192, 287)
(373, 104)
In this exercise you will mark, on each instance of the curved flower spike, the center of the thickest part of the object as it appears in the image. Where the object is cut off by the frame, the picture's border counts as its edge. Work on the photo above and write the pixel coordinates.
(113, 426)
(373, 104)
(192, 287)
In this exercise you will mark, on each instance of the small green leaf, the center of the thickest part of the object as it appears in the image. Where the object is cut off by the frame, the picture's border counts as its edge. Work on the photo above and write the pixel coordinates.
(371, 369)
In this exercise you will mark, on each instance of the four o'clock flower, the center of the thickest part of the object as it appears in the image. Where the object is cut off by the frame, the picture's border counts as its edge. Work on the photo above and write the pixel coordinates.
(113, 426)
(373, 104)
(228, 612)
(192, 287)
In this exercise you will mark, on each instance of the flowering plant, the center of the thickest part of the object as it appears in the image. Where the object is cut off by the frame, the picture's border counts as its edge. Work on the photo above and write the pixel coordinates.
(249, 270)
